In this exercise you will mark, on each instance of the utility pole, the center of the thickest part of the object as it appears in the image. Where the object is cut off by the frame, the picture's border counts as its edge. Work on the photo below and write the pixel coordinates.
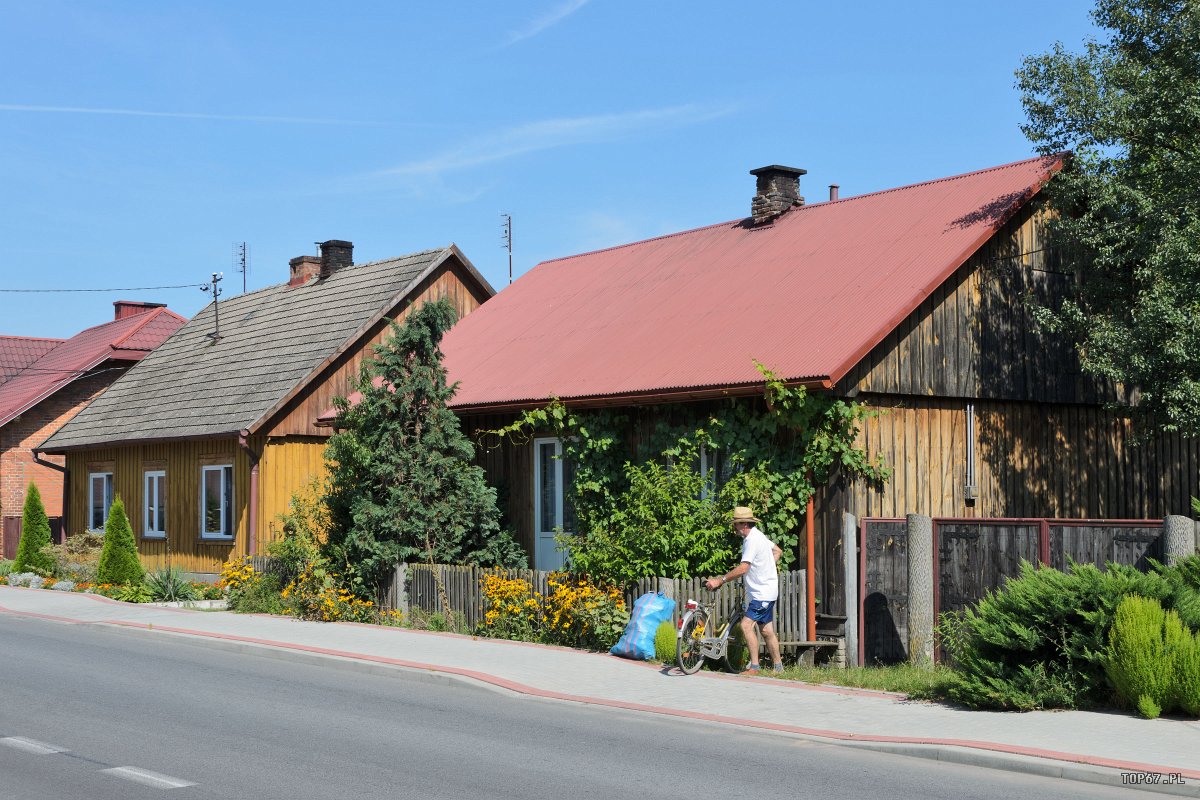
(217, 277)
(506, 238)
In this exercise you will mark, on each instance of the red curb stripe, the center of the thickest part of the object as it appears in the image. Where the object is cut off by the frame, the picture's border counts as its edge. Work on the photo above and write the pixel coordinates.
(544, 693)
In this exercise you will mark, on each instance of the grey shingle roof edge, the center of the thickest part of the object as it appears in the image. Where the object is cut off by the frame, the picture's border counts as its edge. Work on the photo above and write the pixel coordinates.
(274, 342)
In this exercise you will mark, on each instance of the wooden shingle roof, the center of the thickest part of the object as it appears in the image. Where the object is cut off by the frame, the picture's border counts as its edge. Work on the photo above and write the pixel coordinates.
(272, 342)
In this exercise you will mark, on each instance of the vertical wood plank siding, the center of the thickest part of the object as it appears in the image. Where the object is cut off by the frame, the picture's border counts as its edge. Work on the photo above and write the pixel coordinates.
(286, 466)
(182, 462)
(974, 337)
(299, 416)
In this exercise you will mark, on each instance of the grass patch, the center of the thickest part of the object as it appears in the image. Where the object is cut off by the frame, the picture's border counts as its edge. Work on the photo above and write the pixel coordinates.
(917, 683)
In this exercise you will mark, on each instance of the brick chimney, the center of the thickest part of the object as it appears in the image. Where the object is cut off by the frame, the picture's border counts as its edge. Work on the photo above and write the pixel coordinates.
(777, 191)
(304, 269)
(335, 254)
(123, 309)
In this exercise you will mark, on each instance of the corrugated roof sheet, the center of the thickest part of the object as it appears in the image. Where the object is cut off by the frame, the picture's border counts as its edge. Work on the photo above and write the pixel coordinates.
(18, 352)
(271, 340)
(807, 296)
(127, 339)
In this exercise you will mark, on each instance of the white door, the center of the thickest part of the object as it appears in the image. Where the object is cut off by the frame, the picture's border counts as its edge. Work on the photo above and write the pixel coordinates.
(552, 509)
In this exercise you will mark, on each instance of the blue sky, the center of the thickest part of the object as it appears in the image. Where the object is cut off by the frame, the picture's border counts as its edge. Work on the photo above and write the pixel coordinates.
(139, 141)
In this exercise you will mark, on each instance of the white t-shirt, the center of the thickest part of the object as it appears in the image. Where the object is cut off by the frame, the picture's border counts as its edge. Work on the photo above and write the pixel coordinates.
(762, 581)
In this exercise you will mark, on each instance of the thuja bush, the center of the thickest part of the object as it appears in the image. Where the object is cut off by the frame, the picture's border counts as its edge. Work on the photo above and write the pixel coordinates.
(35, 535)
(1142, 659)
(119, 561)
(1040, 641)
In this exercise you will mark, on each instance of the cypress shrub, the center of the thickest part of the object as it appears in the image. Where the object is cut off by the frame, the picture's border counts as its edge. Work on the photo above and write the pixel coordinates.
(35, 534)
(665, 639)
(119, 561)
(1144, 647)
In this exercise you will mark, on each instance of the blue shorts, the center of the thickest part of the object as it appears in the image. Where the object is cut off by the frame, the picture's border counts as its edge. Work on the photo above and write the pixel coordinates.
(761, 611)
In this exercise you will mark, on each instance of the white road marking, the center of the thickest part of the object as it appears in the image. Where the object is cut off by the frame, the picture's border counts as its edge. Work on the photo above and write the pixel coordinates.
(31, 746)
(148, 778)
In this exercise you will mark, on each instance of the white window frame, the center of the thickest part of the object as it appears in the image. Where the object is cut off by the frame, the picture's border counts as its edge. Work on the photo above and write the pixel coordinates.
(226, 509)
(150, 492)
(108, 498)
(558, 482)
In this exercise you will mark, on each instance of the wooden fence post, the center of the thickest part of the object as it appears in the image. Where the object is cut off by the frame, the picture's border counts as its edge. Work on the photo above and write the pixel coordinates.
(1179, 538)
(920, 589)
(850, 564)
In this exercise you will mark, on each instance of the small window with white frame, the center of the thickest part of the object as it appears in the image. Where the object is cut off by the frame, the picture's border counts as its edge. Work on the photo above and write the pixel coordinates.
(100, 498)
(216, 502)
(154, 500)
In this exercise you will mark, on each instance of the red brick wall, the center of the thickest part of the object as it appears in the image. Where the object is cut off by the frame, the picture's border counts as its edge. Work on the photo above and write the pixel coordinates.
(19, 437)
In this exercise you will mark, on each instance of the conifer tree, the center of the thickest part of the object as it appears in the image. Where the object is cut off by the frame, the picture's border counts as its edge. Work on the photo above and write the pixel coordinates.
(119, 562)
(402, 487)
(35, 534)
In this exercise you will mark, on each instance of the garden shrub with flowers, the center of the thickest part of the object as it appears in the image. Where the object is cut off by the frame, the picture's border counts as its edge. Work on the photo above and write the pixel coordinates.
(317, 593)
(577, 612)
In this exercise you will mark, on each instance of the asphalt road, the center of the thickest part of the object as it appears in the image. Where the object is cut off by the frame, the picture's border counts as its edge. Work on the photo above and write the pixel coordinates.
(102, 713)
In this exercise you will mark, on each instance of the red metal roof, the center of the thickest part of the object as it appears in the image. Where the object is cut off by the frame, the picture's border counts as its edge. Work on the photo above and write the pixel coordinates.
(807, 296)
(126, 339)
(18, 352)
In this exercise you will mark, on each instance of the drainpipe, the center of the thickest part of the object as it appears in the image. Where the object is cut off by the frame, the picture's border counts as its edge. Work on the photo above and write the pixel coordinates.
(252, 523)
(66, 492)
(810, 577)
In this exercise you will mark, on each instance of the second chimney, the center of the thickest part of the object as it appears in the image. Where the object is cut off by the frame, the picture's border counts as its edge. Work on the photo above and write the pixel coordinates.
(335, 254)
(777, 191)
(123, 309)
(304, 269)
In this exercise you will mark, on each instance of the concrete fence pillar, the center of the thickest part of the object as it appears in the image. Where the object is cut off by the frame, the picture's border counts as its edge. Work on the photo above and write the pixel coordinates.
(850, 564)
(1179, 538)
(400, 589)
(920, 589)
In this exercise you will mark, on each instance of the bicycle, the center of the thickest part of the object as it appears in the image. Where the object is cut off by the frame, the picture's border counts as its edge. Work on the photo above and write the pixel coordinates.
(694, 644)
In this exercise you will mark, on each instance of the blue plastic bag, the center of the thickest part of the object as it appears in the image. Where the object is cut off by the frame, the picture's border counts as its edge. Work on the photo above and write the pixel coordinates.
(649, 611)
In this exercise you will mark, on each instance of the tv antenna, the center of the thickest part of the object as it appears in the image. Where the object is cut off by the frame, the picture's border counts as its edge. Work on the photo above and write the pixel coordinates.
(506, 240)
(211, 286)
(241, 261)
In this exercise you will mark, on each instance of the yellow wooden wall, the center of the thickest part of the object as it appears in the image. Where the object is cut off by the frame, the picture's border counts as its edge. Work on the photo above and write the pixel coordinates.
(286, 467)
(181, 461)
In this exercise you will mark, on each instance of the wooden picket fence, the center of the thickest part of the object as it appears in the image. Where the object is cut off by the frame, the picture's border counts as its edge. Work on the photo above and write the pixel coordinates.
(415, 586)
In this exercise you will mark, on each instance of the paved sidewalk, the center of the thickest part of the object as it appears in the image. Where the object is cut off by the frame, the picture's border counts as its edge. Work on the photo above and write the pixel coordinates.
(1090, 746)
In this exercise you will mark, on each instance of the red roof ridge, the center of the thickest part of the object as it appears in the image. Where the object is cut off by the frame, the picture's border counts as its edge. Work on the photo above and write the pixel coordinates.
(31, 338)
(1048, 159)
(822, 204)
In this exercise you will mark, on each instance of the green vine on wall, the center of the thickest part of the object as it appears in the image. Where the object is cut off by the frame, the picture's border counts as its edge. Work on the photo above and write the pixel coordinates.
(774, 451)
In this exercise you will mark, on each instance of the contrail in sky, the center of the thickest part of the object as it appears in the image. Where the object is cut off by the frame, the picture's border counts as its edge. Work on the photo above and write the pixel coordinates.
(547, 20)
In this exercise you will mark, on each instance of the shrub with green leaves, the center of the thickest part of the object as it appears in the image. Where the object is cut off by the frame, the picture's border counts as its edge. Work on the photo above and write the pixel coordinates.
(1040, 640)
(1143, 649)
(665, 639)
(35, 534)
(260, 594)
(6, 567)
(119, 562)
(1187, 675)
(78, 557)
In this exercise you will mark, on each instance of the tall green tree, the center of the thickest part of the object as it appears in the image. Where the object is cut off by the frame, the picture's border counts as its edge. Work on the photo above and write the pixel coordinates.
(1128, 105)
(35, 534)
(402, 487)
(119, 562)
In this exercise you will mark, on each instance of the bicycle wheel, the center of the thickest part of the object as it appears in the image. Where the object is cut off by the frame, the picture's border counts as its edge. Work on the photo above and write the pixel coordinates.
(737, 654)
(688, 652)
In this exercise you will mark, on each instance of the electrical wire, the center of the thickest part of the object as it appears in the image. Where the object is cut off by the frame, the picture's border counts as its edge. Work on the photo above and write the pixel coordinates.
(130, 289)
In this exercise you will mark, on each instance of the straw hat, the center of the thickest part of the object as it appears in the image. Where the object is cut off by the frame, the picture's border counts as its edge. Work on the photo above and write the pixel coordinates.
(744, 514)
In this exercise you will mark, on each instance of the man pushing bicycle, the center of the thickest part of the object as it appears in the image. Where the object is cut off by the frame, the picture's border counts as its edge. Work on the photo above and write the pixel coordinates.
(761, 579)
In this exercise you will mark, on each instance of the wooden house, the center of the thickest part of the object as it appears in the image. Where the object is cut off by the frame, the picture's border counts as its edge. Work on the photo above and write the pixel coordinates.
(910, 300)
(207, 439)
(45, 382)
